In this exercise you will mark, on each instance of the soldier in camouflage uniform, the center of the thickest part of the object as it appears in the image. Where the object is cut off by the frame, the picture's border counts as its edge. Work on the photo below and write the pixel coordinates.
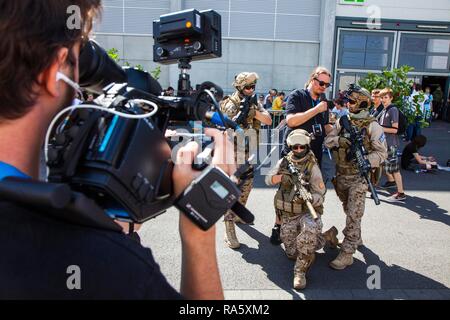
(301, 234)
(232, 107)
(350, 187)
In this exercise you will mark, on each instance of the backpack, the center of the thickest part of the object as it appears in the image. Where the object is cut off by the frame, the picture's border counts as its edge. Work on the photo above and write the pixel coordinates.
(402, 121)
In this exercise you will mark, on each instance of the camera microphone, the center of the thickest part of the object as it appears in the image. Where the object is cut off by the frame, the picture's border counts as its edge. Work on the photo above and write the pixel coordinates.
(215, 118)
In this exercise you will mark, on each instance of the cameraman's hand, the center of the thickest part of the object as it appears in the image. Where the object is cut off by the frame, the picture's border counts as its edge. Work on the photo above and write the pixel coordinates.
(200, 275)
(322, 107)
(183, 174)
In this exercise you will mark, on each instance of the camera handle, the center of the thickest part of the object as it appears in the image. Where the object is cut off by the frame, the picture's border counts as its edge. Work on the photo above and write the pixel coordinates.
(184, 80)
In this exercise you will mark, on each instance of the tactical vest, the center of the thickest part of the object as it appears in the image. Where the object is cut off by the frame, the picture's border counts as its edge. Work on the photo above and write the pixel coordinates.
(343, 165)
(285, 199)
(235, 99)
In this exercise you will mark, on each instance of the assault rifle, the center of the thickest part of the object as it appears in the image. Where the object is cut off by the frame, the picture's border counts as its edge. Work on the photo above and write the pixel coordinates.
(359, 154)
(242, 116)
(301, 191)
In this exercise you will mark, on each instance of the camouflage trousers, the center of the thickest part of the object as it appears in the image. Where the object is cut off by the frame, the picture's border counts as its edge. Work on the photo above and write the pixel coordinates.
(351, 190)
(245, 192)
(301, 236)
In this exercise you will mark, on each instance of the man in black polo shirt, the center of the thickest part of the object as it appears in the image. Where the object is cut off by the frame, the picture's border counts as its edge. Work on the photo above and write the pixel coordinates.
(48, 257)
(304, 110)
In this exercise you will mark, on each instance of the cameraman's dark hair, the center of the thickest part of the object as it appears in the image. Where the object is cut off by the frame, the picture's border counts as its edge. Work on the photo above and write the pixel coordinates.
(420, 141)
(32, 32)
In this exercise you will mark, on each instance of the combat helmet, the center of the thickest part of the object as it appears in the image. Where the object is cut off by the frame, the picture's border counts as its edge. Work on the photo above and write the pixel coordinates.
(359, 98)
(298, 136)
(245, 79)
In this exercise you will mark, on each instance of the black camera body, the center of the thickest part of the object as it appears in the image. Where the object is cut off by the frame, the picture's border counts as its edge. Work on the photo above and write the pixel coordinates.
(123, 164)
(192, 34)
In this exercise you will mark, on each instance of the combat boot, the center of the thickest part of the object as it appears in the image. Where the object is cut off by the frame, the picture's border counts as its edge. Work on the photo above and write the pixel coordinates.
(359, 243)
(293, 257)
(300, 269)
(331, 237)
(275, 238)
(237, 219)
(342, 261)
(230, 235)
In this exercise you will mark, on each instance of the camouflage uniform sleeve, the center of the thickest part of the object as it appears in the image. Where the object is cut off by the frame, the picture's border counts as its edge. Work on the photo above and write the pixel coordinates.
(332, 139)
(317, 186)
(230, 109)
(379, 147)
(273, 172)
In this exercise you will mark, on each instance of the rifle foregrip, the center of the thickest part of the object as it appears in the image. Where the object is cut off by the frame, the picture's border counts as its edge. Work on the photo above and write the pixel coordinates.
(312, 210)
(373, 191)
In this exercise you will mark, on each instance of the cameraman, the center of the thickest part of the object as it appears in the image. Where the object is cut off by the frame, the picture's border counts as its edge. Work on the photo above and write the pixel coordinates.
(304, 110)
(38, 72)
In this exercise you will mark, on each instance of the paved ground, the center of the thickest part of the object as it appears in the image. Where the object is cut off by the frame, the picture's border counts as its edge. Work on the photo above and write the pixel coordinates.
(409, 242)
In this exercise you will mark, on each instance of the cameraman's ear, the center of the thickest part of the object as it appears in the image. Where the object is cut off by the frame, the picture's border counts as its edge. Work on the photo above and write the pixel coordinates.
(47, 79)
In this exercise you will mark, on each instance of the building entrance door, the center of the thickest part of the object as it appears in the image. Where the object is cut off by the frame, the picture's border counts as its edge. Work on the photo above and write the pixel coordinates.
(433, 82)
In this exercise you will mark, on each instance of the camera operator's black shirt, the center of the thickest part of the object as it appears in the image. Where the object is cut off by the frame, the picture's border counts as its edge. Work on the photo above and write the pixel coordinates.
(301, 101)
(37, 252)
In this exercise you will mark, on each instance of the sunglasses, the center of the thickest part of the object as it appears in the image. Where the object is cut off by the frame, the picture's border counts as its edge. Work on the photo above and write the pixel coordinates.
(252, 87)
(322, 83)
(298, 147)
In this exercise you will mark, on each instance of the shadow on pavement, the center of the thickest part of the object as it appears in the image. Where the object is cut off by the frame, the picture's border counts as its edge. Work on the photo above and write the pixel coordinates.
(326, 283)
(272, 259)
(351, 283)
(426, 209)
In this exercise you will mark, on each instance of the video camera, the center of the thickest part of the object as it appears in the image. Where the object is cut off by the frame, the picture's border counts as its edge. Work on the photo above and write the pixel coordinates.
(187, 34)
(115, 152)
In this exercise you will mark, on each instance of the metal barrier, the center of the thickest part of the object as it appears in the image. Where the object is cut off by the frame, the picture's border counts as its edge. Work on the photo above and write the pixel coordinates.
(277, 118)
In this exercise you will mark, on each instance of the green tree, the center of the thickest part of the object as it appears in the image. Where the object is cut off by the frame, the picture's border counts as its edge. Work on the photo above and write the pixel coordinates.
(156, 73)
(397, 80)
(113, 53)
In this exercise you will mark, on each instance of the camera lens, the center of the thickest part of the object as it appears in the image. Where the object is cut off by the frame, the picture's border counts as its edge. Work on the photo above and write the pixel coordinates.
(97, 69)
